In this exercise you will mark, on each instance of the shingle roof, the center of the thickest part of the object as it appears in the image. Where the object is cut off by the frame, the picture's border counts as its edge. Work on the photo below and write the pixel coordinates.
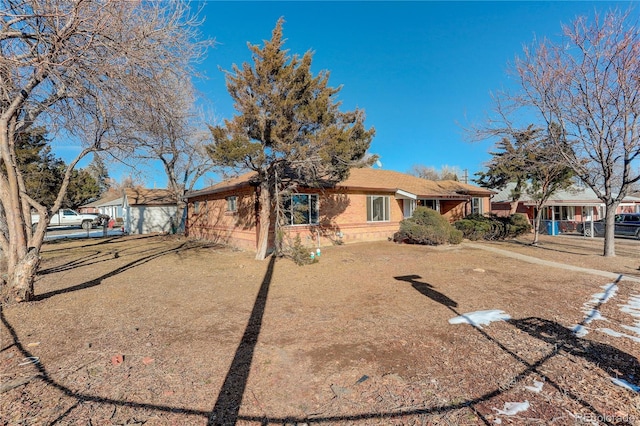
(573, 196)
(149, 197)
(371, 179)
(389, 180)
(102, 201)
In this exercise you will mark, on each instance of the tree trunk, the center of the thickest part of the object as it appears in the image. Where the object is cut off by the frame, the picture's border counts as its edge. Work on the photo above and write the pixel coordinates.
(536, 226)
(513, 207)
(24, 275)
(609, 230)
(264, 220)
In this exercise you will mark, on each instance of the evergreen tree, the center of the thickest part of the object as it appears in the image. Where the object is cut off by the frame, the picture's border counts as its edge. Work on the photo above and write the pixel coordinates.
(508, 164)
(82, 189)
(99, 172)
(289, 129)
(43, 173)
(533, 163)
(41, 170)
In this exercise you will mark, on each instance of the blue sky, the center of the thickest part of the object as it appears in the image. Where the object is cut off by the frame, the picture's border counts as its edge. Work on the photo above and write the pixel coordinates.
(422, 71)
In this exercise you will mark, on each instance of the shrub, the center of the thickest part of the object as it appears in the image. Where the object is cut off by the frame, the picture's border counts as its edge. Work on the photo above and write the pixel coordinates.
(477, 227)
(427, 226)
(299, 253)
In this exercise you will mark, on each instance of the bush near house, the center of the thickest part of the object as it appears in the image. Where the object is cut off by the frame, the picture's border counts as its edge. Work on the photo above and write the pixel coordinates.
(478, 227)
(427, 226)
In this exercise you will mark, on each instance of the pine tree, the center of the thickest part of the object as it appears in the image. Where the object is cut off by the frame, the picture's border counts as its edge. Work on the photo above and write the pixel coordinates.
(98, 170)
(289, 129)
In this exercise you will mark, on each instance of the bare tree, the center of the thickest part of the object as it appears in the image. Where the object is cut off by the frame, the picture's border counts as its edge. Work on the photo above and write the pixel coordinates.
(431, 173)
(78, 66)
(588, 83)
(167, 132)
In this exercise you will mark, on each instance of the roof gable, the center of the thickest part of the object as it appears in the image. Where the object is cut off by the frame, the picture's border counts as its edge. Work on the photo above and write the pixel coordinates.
(149, 197)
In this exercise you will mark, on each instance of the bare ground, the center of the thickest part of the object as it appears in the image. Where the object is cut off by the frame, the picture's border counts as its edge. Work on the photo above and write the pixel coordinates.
(165, 331)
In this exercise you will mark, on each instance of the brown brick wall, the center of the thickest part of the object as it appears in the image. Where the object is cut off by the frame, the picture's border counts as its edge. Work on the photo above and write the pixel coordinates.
(343, 219)
(214, 223)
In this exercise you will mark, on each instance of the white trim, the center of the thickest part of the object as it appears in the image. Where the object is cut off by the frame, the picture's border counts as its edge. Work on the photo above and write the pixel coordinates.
(400, 194)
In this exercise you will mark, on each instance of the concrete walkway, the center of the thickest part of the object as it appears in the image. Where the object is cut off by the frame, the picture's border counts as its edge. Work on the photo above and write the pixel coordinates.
(537, 261)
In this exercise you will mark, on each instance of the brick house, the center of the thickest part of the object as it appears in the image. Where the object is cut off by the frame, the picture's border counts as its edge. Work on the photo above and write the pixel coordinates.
(568, 207)
(367, 206)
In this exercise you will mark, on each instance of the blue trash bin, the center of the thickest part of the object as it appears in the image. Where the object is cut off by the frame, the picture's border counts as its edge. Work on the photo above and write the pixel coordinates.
(552, 227)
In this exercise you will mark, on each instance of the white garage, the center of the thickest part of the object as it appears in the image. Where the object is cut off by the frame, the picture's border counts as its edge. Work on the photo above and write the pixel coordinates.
(147, 211)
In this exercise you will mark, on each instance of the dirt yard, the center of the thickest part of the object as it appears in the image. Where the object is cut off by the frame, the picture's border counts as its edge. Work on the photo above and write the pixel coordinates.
(164, 331)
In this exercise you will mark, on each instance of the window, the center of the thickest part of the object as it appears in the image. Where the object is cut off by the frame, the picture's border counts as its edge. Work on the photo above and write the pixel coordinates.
(196, 207)
(377, 208)
(301, 209)
(232, 203)
(560, 213)
(432, 204)
(476, 206)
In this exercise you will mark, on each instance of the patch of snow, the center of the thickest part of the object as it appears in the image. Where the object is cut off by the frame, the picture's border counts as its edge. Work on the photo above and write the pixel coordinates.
(593, 315)
(590, 311)
(610, 290)
(479, 318)
(513, 408)
(537, 386)
(497, 421)
(614, 333)
(626, 385)
(633, 329)
(580, 330)
(633, 306)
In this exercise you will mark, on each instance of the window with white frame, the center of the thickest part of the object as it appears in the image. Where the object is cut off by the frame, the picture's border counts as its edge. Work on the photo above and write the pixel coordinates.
(476, 205)
(232, 203)
(300, 209)
(378, 208)
(560, 213)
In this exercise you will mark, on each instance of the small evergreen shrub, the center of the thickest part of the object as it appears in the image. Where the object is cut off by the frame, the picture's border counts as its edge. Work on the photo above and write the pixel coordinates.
(477, 227)
(427, 226)
(519, 224)
(299, 253)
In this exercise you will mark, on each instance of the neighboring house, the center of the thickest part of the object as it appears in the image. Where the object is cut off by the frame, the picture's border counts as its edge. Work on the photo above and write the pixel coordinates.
(110, 205)
(147, 211)
(367, 206)
(89, 208)
(567, 207)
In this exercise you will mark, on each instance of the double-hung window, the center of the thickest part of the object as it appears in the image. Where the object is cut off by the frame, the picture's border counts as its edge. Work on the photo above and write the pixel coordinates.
(476, 205)
(301, 209)
(378, 208)
(232, 203)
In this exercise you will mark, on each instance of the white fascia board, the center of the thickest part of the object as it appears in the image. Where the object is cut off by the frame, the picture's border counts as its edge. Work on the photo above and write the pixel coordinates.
(400, 194)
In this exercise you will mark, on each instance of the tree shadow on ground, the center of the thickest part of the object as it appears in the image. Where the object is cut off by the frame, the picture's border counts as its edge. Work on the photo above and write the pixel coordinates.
(149, 255)
(227, 406)
(557, 247)
(43, 374)
(85, 260)
(229, 401)
(428, 290)
(616, 363)
(96, 241)
(530, 326)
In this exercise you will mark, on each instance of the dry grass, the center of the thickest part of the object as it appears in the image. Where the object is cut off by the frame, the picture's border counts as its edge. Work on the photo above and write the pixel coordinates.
(211, 336)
